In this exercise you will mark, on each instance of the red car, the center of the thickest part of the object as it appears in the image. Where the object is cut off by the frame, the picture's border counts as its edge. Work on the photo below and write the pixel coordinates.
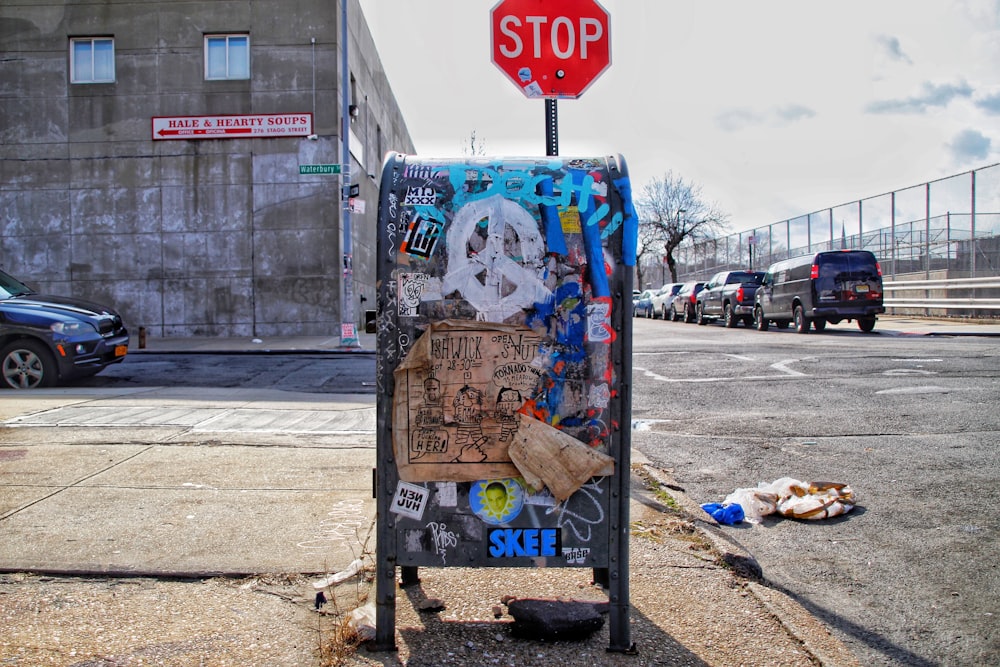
(683, 303)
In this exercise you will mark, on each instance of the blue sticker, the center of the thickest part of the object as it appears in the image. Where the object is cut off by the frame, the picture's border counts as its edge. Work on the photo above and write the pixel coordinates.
(496, 501)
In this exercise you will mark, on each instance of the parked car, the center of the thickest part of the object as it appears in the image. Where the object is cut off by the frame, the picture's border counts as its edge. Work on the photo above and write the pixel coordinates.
(729, 296)
(45, 340)
(683, 303)
(816, 289)
(644, 305)
(663, 297)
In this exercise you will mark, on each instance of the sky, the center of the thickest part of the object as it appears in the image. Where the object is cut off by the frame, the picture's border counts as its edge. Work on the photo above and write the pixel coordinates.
(773, 108)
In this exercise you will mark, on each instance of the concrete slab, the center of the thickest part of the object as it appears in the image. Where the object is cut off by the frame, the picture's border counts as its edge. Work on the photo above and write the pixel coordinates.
(31, 473)
(189, 532)
(332, 418)
(241, 468)
(184, 510)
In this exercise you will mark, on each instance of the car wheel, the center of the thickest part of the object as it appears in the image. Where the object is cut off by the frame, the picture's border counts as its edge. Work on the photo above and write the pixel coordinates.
(673, 314)
(760, 322)
(866, 324)
(700, 314)
(819, 324)
(688, 313)
(730, 316)
(27, 364)
(801, 323)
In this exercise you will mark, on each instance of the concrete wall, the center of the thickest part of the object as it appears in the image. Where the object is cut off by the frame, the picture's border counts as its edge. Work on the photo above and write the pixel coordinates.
(188, 237)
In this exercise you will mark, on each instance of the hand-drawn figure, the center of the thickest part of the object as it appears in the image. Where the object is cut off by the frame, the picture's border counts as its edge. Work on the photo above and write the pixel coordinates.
(429, 437)
(508, 402)
(431, 411)
(468, 414)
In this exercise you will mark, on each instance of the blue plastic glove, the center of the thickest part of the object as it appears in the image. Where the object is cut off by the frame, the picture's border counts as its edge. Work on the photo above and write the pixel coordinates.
(727, 515)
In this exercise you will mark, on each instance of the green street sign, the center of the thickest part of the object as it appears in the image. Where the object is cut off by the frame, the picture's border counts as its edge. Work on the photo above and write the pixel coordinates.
(319, 168)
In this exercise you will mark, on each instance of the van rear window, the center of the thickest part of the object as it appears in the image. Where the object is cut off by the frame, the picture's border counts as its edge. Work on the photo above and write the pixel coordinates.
(840, 273)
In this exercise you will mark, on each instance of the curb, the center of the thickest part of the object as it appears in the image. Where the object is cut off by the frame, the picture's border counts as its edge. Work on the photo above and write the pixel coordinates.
(732, 552)
(814, 636)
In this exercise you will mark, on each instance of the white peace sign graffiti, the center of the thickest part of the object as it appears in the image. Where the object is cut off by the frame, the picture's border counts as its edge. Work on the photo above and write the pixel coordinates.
(466, 267)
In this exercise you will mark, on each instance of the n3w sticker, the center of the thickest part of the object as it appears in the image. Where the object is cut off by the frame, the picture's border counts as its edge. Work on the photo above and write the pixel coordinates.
(419, 196)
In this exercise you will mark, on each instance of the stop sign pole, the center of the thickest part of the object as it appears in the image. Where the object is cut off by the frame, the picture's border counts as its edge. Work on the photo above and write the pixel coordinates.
(551, 127)
(551, 49)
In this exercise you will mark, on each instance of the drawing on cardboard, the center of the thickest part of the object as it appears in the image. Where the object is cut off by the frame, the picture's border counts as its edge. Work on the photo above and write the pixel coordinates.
(457, 394)
(458, 412)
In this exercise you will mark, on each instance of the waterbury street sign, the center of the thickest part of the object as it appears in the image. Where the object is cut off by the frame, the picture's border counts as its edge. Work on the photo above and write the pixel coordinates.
(319, 168)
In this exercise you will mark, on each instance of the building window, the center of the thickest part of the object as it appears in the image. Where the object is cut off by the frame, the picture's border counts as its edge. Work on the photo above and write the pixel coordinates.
(92, 60)
(227, 57)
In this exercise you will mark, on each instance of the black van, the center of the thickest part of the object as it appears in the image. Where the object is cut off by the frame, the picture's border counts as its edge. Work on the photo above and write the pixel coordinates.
(816, 289)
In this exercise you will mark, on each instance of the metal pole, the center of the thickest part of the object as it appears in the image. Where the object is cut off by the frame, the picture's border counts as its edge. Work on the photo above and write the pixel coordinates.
(893, 249)
(348, 333)
(927, 230)
(972, 225)
(551, 127)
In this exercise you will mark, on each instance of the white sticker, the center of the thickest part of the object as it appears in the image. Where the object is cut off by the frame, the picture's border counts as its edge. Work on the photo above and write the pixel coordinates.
(410, 500)
(447, 494)
(419, 196)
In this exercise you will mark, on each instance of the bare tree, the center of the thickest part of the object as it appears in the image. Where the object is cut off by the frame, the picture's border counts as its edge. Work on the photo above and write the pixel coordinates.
(471, 147)
(672, 212)
(649, 245)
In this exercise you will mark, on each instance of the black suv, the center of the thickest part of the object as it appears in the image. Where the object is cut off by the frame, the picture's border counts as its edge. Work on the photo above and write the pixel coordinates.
(49, 339)
(817, 289)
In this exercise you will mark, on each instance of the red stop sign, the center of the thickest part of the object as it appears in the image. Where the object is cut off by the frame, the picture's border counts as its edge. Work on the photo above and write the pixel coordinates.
(551, 48)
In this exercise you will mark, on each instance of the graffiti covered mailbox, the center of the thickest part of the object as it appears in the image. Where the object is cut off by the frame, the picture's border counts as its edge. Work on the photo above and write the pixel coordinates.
(504, 345)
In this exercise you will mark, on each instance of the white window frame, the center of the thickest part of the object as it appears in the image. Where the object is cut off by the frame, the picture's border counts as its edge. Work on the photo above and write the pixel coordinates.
(89, 66)
(233, 59)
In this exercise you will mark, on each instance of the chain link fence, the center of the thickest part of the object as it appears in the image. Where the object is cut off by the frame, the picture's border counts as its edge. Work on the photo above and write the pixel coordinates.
(943, 229)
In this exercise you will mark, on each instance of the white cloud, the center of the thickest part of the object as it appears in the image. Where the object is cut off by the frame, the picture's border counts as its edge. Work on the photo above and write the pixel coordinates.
(990, 103)
(931, 95)
(969, 145)
(892, 49)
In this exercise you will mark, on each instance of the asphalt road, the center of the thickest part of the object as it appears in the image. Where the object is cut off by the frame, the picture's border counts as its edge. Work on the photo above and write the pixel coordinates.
(305, 372)
(910, 422)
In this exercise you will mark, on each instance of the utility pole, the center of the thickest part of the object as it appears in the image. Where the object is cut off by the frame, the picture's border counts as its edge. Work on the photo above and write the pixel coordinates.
(348, 332)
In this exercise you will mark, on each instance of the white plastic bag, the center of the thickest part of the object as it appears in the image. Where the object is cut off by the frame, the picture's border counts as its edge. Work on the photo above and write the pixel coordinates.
(362, 621)
(352, 569)
(755, 503)
(810, 500)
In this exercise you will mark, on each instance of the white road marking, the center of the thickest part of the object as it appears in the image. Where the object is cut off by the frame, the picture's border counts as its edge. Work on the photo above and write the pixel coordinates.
(781, 367)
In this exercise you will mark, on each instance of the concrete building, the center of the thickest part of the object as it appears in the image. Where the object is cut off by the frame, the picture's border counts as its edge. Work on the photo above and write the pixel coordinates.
(150, 158)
